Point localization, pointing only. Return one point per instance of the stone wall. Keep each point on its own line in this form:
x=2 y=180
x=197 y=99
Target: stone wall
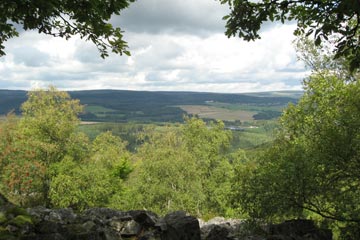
x=106 y=224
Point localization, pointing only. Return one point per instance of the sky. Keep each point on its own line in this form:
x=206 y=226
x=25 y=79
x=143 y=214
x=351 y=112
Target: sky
x=176 y=45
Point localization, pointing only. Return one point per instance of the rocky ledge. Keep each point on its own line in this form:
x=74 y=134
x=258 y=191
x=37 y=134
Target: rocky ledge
x=106 y=224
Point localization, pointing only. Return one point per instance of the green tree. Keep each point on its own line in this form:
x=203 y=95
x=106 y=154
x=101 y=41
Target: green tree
x=95 y=180
x=166 y=176
x=184 y=169
x=49 y=119
x=313 y=166
x=45 y=160
x=7 y=139
x=21 y=173
x=332 y=21
x=208 y=144
x=41 y=137
x=88 y=19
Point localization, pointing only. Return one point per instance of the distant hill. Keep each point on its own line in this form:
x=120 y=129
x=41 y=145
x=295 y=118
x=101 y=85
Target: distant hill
x=146 y=106
x=290 y=94
x=11 y=100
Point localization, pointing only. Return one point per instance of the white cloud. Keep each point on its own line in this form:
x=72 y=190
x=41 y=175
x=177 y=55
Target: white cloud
x=176 y=45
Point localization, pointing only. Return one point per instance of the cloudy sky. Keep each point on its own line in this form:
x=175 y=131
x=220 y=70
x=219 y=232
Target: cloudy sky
x=176 y=45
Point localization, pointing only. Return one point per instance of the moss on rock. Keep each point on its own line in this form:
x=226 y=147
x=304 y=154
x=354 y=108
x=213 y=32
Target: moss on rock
x=15 y=211
x=3 y=218
x=5 y=234
x=21 y=220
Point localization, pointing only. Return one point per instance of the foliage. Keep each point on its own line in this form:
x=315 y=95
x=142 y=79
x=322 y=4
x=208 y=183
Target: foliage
x=79 y=186
x=132 y=133
x=321 y=59
x=109 y=152
x=23 y=180
x=93 y=180
x=7 y=139
x=314 y=163
x=184 y=169
x=49 y=117
x=208 y=145
x=87 y=19
x=330 y=21
x=166 y=176
x=22 y=173
x=35 y=141
x=311 y=169
x=44 y=160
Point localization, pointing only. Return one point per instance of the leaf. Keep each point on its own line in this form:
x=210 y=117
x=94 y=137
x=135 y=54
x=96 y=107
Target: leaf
x=309 y=32
x=318 y=40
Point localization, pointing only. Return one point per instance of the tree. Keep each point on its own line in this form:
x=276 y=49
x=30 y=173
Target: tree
x=332 y=21
x=209 y=144
x=184 y=169
x=312 y=169
x=44 y=135
x=21 y=173
x=166 y=176
x=321 y=59
x=44 y=160
x=49 y=119
x=88 y=19
x=94 y=181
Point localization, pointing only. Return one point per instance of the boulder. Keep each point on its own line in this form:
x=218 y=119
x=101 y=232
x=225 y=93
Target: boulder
x=298 y=229
x=220 y=228
x=218 y=232
x=180 y=226
x=234 y=229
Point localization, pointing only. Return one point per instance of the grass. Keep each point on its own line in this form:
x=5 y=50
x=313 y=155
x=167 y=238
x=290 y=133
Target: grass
x=256 y=134
x=98 y=109
x=218 y=112
x=246 y=107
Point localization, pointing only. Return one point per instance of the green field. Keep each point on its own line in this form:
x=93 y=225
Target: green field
x=103 y=112
x=247 y=107
x=218 y=113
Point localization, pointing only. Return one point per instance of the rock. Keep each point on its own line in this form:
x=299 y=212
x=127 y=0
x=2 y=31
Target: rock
x=48 y=227
x=107 y=224
x=218 y=232
x=63 y=216
x=220 y=228
x=145 y=218
x=104 y=214
x=298 y=229
x=233 y=229
x=126 y=228
x=181 y=227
